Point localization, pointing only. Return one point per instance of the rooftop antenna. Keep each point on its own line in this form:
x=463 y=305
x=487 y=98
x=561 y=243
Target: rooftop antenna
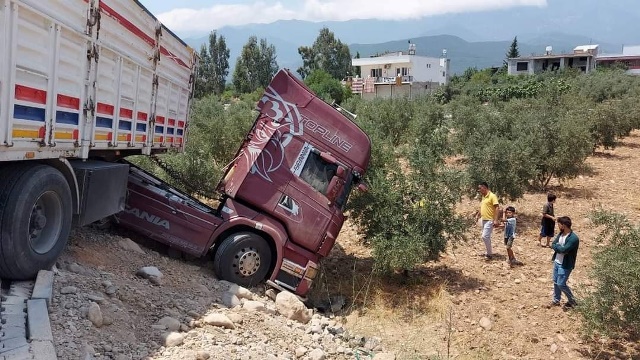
x=412 y=48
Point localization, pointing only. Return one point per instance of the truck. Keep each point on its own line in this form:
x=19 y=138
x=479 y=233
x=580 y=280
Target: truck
x=84 y=84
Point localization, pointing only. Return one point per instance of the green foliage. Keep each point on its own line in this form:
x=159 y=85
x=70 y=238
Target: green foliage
x=520 y=143
x=327 y=87
x=212 y=140
x=327 y=53
x=513 y=51
x=213 y=68
x=255 y=67
x=408 y=214
x=613 y=307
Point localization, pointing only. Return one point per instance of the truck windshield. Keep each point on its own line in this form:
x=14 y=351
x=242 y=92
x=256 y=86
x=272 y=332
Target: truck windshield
x=318 y=173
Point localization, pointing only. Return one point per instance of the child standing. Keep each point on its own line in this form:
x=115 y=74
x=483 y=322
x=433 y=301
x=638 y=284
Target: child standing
x=509 y=221
x=548 y=222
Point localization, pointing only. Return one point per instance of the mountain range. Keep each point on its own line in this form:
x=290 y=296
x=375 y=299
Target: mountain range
x=478 y=39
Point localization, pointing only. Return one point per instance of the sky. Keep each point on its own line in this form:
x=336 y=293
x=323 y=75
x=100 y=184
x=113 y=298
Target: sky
x=202 y=16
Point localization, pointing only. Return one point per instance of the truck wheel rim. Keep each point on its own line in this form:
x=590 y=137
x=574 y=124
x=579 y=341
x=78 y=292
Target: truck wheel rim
x=45 y=223
x=247 y=261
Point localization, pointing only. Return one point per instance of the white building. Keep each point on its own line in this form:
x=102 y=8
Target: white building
x=630 y=58
x=582 y=58
x=401 y=74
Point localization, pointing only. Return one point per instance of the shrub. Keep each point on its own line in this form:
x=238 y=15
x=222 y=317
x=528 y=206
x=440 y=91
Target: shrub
x=613 y=307
x=407 y=216
x=213 y=138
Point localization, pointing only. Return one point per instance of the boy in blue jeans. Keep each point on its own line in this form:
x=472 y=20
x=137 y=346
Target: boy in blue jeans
x=509 y=223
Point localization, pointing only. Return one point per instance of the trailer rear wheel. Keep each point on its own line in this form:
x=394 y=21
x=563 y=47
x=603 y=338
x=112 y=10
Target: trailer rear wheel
x=35 y=219
x=243 y=258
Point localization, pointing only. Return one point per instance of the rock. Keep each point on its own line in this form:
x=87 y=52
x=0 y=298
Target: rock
x=292 y=308
x=110 y=290
x=170 y=323
x=315 y=329
x=69 y=290
x=172 y=339
x=75 y=268
x=554 y=348
x=372 y=343
x=240 y=292
x=217 y=319
x=300 y=351
x=202 y=355
x=193 y=314
x=331 y=304
x=94 y=315
x=316 y=354
x=271 y=294
x=106 y=320
x=130 y=245
x=384 y=356
x=149 y=271
x=96 y=298
x=251 y=305
x=486 y=324
x=235 y=318
x=87 y=352
x=230 y=300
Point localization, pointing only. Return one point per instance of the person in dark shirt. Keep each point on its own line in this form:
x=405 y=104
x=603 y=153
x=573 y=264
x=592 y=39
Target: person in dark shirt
x=548 y=222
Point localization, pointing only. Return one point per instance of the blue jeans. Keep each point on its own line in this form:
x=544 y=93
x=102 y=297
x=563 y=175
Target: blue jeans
x=560 y=277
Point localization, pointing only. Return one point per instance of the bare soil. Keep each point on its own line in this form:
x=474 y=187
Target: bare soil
x=435 y=311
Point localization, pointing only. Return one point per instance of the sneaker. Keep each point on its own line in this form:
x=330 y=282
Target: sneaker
x=515 y=262
x=552 y=304
x=570 y=304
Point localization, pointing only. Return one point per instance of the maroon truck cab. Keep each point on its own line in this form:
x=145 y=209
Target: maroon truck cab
x=282 y=198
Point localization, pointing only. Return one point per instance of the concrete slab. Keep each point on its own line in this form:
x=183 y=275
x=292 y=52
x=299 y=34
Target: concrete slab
x=13 y=320
x=18 y=355
x=43 y=350
x=14 y=309
x=38 y=322
x=10 y=300
x=13 y=344
x=43 y=288
x=12 y=333
x=21 y=288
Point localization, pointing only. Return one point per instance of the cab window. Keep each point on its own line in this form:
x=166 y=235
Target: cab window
x=318 y=173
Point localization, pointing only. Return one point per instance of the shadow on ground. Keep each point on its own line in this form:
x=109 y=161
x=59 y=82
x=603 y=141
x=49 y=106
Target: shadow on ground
x=353 y=279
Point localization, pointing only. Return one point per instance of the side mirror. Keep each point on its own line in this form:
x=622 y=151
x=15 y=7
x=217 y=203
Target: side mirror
x=363 y=187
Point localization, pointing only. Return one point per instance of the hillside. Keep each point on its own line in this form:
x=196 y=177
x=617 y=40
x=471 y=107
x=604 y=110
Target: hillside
x=463 y=54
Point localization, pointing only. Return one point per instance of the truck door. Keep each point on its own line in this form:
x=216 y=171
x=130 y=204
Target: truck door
x=306 y=202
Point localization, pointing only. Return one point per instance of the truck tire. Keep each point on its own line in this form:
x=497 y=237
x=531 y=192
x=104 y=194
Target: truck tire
x=35 y=219
x=243 y=258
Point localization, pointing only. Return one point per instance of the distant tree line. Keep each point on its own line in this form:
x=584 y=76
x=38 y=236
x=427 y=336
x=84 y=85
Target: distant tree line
x=324 y=64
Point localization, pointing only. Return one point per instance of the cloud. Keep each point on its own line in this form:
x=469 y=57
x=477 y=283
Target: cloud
x=264 y=12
